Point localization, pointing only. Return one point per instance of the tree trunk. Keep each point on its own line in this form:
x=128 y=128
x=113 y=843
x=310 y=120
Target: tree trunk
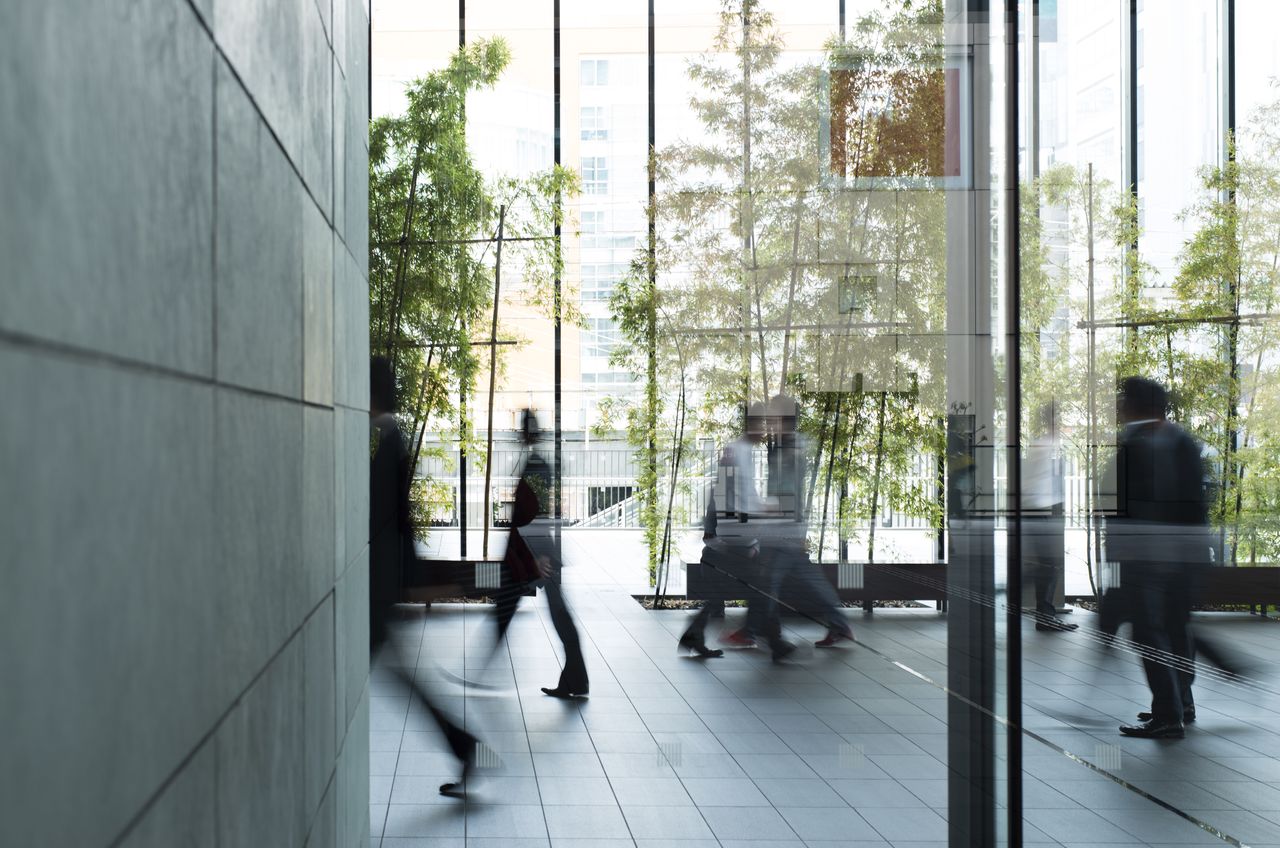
x=402 y=261
x=875 y=480
x=493 y=375
x=791 y=297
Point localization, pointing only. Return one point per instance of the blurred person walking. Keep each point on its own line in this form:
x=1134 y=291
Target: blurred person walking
x=534 y=551
x=1159 y=536
x=391 y=548
x=1043 y=518
x=790 y=455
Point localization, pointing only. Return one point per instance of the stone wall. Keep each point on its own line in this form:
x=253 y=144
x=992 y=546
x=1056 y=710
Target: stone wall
x=184 y=438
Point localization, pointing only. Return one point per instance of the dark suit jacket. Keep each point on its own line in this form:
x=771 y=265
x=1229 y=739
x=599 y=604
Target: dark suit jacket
x=390 y=525
x=1161 y=508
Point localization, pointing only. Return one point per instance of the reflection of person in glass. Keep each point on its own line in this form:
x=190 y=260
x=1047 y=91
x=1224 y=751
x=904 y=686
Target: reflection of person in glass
x=535 y=530
x=391 y=548
x=1043 y=528
x=790 y=456
x=1159 y=536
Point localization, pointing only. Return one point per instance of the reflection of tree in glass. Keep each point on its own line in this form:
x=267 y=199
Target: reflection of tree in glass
x=758 y=255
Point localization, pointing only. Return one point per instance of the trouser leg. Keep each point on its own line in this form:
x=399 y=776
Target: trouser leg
x=505 y=602
x=574 y=676
x=696 y=632
x=461 y=743
x=781 y=565
x=1152 y=630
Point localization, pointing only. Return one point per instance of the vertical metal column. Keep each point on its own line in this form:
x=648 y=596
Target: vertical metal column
x=972 y=741
x=1132 y=164
x=1013 y=417
x=1229 y=63
x=559 y=434
x=462 y=386
x=651 y=370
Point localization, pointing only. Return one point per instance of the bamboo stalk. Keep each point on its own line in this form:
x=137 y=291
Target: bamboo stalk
x=493 y=374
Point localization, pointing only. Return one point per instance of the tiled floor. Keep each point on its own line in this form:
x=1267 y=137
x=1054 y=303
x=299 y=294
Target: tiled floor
x=847 y=747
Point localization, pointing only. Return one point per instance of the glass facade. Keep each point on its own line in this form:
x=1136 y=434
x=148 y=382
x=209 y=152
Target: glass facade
x=920 y=246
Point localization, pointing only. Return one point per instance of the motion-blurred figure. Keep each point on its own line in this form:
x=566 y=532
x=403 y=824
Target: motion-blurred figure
x=391 y=547
x=729 y=549
x=1043 y=520
x=790 y=456
x=1159 y=536
x=536 y=537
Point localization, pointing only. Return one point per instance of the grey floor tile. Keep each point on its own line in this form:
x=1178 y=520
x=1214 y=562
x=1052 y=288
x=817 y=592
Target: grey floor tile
x=504 y=790
x=578 y=742
x=753 y=743
x=421 y=789
x=799 y=792
x=1159 y=825
x=1246 y=826
x=567 y=765
x=884 y=793
x=586 y=822
x=910 y=767
x=424 y=820
x=724 y=792
x=561 y=791
x=707 y=766
x=774 y=765
x=650 y=792
x=829 y=824
x=664 y=822
x=505 y=821
x=657 y=764
x=919 y=825
x=747 y=823
x=1077 y=825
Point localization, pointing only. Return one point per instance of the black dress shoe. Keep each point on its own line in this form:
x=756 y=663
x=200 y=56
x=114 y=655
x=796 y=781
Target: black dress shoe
x=563 y=693
x=459 y=789
x=782 y=651
x=1050 y=624
x=699 y=648
x=1154 y=730
x=1188 y=716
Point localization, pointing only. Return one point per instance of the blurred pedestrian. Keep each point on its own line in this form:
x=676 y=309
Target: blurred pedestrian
x=1159 y=535
x=391 y=550
x=1043 y=517
x=536 y=535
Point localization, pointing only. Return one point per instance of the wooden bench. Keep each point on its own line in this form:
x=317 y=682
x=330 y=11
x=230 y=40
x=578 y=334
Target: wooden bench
x=1245 y=586
x=854 y=582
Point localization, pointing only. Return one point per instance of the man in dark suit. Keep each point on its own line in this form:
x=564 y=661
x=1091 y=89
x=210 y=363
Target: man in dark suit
x=391 y=545
x=1159 y=535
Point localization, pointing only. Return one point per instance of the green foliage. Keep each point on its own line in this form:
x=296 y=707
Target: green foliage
x=747 y=222
x=432 y=232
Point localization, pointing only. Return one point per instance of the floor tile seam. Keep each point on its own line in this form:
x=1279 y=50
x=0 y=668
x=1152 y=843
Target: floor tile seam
x=585 y=631
x=1204 y=825
x=412 y=673
x=650 y=731
x=854 y=701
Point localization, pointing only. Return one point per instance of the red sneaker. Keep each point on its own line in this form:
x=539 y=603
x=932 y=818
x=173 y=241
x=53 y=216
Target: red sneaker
x=738 y=639
x=833 y=638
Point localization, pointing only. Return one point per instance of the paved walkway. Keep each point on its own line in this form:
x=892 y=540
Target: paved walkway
x=846 y=748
